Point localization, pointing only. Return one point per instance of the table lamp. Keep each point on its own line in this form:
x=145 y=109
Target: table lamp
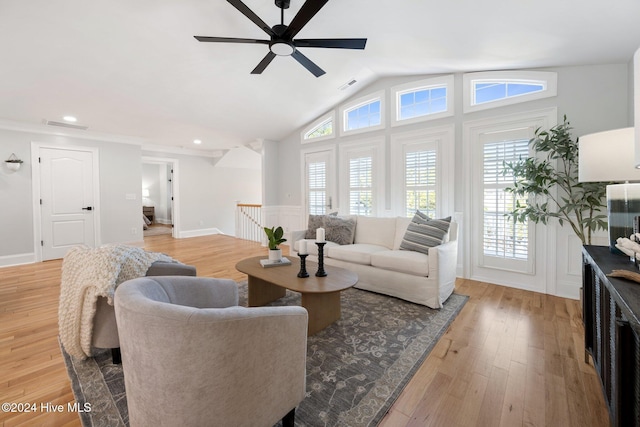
x=610 y=157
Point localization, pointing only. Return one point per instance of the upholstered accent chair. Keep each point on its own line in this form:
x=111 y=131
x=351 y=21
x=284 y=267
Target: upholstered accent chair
x=191 y=356
x=105 y=329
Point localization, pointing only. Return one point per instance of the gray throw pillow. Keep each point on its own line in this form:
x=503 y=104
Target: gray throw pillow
x=315 y=222
x=424 y=233
x=340 y=230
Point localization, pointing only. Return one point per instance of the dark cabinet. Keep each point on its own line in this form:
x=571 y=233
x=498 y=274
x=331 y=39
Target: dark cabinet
x=610 y=310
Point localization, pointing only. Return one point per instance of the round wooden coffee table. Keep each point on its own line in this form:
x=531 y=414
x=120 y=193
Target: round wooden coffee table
x=320 y=295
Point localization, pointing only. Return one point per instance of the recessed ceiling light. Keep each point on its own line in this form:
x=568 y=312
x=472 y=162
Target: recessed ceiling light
x=197 y=141
x=70 y=119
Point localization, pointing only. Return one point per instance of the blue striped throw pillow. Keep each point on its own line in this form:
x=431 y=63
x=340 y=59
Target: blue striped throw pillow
x=424 y=233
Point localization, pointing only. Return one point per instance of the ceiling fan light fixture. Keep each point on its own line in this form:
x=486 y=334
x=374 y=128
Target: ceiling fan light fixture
x=282 y=48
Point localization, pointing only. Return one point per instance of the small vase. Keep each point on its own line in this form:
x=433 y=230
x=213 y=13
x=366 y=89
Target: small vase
x=275 y=254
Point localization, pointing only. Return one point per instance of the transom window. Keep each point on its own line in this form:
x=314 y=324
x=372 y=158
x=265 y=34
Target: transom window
x=322 y=128
x=493 y=89
x=489 y=91
x=421 y=102
x=363 y=116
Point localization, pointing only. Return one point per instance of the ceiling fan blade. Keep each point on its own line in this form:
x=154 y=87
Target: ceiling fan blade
x=332 y=43
x=229 y=40
x=263 y=64
x=307 y=63
x=304 y=15
x=252 y=16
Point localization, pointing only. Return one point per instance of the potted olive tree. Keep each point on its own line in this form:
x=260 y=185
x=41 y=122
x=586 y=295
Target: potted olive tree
x=553 y=166
x=274 y=235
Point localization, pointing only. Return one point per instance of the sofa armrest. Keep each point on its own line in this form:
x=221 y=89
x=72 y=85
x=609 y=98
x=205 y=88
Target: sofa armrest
x=443 y=261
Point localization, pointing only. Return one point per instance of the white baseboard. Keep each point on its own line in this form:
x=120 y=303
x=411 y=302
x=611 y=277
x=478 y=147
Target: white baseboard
x=198 y=233
x=17 y=259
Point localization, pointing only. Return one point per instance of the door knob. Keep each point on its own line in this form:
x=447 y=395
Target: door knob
x=88 y=208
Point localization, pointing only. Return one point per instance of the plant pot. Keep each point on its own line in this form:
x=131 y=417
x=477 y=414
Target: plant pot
x=275 y=254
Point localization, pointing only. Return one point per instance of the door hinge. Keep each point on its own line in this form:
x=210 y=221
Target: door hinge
x=39 y=160
x=41 y=242
x=40 y=201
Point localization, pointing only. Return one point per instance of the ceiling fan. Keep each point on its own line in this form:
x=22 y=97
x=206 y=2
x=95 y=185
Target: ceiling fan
x=281 y=42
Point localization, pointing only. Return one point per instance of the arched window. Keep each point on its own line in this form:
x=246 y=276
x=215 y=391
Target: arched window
x=498 y=88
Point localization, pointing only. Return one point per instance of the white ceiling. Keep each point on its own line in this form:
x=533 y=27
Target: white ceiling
x=132 y=67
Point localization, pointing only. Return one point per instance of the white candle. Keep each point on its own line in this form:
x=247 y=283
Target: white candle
x=302 y=247
x=320 y=235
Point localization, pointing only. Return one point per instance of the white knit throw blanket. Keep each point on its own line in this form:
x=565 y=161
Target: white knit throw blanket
x=88 y=273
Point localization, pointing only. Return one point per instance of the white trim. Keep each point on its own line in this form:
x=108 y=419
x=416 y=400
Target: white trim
x=550 y=79
x=184 y=151
x=175 y=189
x=364 y=100
x=331 y=117
x=35 y=192
x=397 y=91
x=375 y=144
x=17 y=259
x=443 y=137
x=200 y=232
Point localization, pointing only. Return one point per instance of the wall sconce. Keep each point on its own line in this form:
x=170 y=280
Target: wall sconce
x=145 y=192
x=13 y=162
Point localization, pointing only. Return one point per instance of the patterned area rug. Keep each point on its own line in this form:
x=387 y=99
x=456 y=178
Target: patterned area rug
x=356 y=368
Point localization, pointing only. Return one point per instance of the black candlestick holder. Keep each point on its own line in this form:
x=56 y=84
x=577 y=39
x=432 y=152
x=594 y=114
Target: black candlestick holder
x=321 y=272
x=303 y=265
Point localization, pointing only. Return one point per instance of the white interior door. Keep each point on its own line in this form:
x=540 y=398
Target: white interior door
x=66 y=200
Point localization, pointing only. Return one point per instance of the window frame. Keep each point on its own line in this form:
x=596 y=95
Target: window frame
x=357 y=103
x=399 y=90
x=548 y=78
x=317 y=123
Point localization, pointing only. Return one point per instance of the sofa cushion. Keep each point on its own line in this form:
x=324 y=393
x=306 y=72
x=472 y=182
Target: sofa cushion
x=402 y=223
x=424 y=233
x=315 y=222
x=359 y=253
x=376 y=231
x=409 y=262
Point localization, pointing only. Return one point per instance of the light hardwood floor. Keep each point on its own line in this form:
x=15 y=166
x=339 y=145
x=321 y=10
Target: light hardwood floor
x=510 y=358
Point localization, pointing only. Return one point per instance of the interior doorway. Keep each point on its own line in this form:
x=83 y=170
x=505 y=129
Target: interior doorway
x=159 y=196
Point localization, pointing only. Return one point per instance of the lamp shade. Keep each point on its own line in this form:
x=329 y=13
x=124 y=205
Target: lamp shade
x=608 y=156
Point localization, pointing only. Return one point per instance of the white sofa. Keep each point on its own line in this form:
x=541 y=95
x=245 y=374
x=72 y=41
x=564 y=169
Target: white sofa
x=382 y=267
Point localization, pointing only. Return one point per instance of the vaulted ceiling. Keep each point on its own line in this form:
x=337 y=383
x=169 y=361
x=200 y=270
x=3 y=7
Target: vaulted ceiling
x=134 y=68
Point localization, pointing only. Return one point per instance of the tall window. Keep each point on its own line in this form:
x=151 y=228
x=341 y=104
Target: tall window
x=317 y=191
x=420 y=182
x=360 y=185
x=503 y=237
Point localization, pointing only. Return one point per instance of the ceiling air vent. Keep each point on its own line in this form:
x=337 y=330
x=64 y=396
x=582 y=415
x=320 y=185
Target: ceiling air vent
x=64 y=125
x=348 y=84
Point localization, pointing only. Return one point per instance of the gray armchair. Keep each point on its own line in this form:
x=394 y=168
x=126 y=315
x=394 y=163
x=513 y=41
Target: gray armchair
x=191 y=356
x=105 y=330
